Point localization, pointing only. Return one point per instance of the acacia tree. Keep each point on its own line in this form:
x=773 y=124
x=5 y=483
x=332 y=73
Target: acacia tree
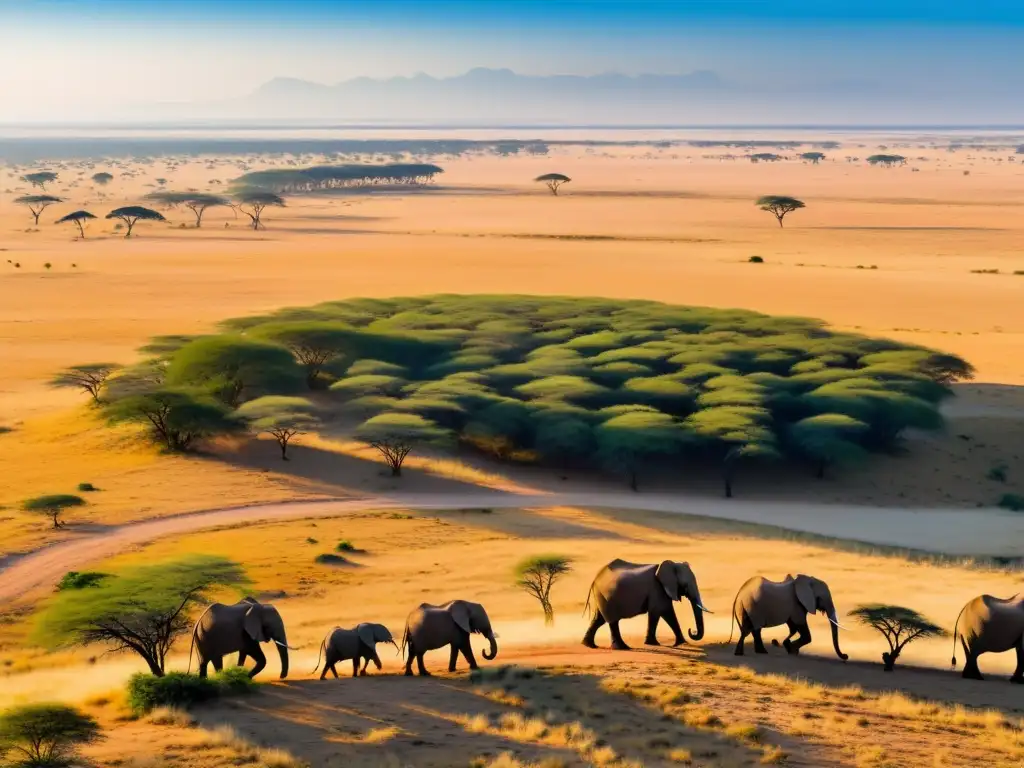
x=536 y=575
x=281 y=417
x=395 y=435
x=256 y=200
x=735 y=432
x=625 y=441
x=131 y=214
x=37 y=204
x=827 y=439
x=314 y=344
x=102 y=178
x=90 y=378
x=813 y=157
x=53 y=506
x=898 y=625
x=887 y=160
x=40 y=178
x=553 y=181
x=142 y=609
x=77 y=217
x=779 y=205
x=177 y=418
x=45 y=734
x=197 y=202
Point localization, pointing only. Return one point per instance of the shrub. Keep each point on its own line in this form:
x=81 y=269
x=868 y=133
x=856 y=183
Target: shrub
x=997 y=473
x=80 y=580
x=1012 y=501
x=329 y=559
x=756 y=260
x=87 y=487
x=346 y=546
x=45 y=734
x=181 y=690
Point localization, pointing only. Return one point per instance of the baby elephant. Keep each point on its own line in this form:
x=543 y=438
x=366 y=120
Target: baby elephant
x=355 y=644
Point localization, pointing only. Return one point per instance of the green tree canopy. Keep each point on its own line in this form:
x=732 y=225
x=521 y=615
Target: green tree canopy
x=102 y=178
x=887 y=160
x=177 y=418
x=52 y=505
x=234 y=368
x=553 y=181
x=252 y=203
x=813 y=157
x=395 y=435
x=78 y=218
x=132 y=214
x=829 y=438
x=37 y=204
x=40 y=178
x=45 y=734
x=626 y=440
x=281 y=417
x=536 y=575
x=143 y=609
x=90 y=378
x=734 y=432
x=898 y=625
x=779 y=205
x=197 y=202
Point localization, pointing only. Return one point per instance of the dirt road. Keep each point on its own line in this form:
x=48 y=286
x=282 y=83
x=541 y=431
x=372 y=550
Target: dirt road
x=957 y=532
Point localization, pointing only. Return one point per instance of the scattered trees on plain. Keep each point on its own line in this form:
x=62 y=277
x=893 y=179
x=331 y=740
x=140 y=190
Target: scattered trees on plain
x=779 y=205
x=289 y=181
x=253 y=202
x=37 y=204
x=537 y=575
x=78 y=218
x=197 y=202
x=898 y=625
x=132 y=214
x=553 y=181
x=887 y=161
x=90 y=378
x=142 y=609
x=40 y=178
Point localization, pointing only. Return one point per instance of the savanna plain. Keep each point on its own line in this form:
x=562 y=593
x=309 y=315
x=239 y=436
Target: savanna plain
x=925 y=254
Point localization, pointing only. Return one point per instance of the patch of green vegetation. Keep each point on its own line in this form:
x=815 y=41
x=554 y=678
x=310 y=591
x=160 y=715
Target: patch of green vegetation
x=1012 y=501
x=80 y=580
x=181 y=690
x=87 y=487
x=756 y=260
x=331 y=559
x=346 y=546
x=997 y=473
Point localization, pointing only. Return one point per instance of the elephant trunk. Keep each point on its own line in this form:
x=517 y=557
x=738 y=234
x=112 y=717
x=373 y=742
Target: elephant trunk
x=494 y=648
x=835 y=637
x=698 y=619
x=282 y=649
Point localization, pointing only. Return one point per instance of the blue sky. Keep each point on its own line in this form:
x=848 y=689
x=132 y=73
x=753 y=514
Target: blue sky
x=75 y=56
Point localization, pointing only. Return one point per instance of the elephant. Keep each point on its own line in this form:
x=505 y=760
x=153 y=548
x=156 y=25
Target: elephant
x=435 y=626
x=622 y=590
x=761 y=603
x=224 y=629
x=359 y=644
x=991 y=625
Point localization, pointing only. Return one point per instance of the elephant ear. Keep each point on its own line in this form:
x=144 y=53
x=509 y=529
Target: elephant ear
x=460 y=614
x=666 y=574
x=804 y=593
x=365 y=632
x=253 y=624
x=381 y=634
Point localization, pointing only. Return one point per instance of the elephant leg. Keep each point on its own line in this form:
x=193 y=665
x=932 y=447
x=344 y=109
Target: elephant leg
x=258 y=656
x=803 y=638
x=617 y=642
x=971 y=671
x=366 y=664
x=241 y=658
x=203 y=664
x=453 y=657
x=355 y=667
x=673 y=624
x=787 y=642
x=419 y=663
x=596 y=624
x=218 y=663
x=467 y=652
x=334 y=669
x=1018 y=674
x=408 y=662
x=652 y=628
x=758 y=642
x=744 y=631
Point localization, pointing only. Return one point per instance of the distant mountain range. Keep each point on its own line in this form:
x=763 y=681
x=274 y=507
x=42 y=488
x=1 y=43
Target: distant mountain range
x=501 y=96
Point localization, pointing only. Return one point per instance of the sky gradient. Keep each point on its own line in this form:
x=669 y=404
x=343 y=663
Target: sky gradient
x=76 y=59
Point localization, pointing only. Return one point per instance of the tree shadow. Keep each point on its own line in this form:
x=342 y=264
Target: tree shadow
x=445 y=721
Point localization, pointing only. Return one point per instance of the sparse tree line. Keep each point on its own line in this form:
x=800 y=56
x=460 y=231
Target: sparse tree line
x=326 y=177
x=583 y=383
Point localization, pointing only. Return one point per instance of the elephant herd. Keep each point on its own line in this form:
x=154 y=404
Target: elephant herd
x=621 y=590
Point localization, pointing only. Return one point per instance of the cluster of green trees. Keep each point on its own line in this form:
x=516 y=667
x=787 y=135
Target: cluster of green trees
x=324 y=177
x=578 y=382
x=887 y=160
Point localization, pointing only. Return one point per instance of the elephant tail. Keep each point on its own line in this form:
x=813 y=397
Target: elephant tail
x=320 y=655
x=955 y=630
x=586 y=607
x=195 y=629
x=732 y=621
x=405 y=640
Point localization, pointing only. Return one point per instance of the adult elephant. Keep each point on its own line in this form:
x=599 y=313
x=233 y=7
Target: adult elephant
x=359 y=644
x=226 y=629
x=990 y=625
x=762 y=603
x=622 y=590
x=434 y=626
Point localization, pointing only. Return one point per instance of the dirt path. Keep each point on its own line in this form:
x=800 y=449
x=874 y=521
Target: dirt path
x=957 y=532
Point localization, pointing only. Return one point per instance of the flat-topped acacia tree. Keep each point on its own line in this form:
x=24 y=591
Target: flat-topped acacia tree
x=252 y=202
x=37 y=204
x=553 y=181
x=813 y=157
x=197 y=202
x=102 y=178
x=132 y=214
x=779 y=205
x=40 y=178
x=77 y=217
x=887 y=161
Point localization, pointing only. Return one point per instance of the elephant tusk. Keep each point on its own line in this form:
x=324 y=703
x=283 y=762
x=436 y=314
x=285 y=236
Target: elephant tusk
x=285 y=645
x=703 y=608
x=836 y=623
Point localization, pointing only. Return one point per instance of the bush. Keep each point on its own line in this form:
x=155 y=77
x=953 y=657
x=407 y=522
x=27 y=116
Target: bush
x=45 y=734
x=80 y=580
x=346 y=546
x=1012 y=501
x=181 y=690
x=329 y=559
x=756 y=260
x=997 y=473
x=87 y=487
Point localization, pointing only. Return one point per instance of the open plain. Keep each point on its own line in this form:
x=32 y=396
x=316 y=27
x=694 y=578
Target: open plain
x=928 y=253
